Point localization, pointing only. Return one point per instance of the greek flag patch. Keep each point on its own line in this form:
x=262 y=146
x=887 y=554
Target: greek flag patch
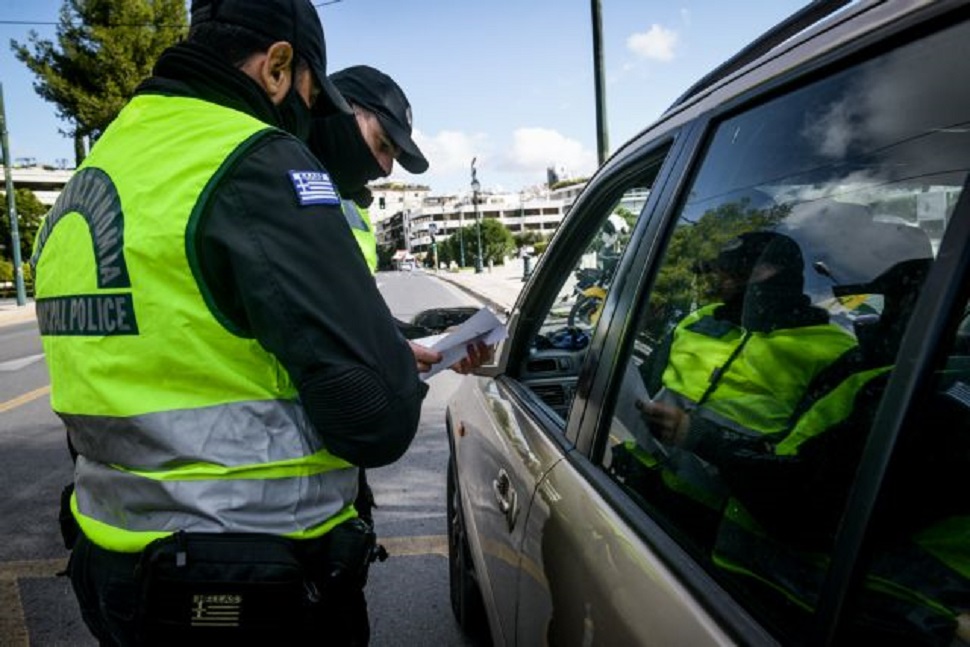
x=314 y=187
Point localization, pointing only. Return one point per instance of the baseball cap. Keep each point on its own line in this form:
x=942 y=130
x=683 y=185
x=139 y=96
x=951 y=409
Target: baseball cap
x=294 y=21
x=741 y=254
x=378 y=93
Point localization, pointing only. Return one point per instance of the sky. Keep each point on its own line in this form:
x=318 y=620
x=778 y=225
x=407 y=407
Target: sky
x=507 y=82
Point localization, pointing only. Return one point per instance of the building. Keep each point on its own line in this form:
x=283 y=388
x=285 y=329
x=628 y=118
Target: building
x=538 y=209
x=411 y=226
x=46 y=182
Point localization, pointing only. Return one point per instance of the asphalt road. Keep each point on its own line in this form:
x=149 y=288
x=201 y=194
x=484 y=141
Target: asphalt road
x=407 y=594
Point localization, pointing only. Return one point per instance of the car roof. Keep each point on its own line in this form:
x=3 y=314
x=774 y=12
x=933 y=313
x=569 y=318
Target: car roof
x=821 y=27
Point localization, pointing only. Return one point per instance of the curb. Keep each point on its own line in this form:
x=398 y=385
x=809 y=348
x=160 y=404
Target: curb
x=495 y=306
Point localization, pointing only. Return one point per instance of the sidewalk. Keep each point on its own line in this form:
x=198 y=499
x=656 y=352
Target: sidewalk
x=498 y=288
x=11 y=313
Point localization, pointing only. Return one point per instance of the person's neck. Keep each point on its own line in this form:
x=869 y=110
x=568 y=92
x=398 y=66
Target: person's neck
x=197 y=71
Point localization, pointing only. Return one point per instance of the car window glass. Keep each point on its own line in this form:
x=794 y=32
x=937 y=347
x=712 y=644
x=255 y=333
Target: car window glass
x=557 y=350
x=916 y=580
x=760 y=354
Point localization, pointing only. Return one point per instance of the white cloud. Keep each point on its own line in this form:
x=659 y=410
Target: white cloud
x=449 y=150
x=657 y=43
x=535 y=149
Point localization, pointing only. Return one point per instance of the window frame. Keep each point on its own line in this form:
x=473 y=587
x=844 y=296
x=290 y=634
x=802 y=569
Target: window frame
x=568 y=244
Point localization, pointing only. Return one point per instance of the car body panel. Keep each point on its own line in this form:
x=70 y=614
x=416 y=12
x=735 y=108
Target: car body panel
x=586 y=579
x=500 y=454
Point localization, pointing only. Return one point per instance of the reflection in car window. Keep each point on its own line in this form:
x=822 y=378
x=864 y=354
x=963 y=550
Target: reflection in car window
x=763 y=348
x=917 y=579
x=559 y=347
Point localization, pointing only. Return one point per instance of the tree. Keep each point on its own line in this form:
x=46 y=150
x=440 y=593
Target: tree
x=104 y=49
x=497 y=242
x=30 y=211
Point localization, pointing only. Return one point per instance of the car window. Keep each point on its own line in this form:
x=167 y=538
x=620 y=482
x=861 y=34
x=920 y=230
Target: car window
x=760 y=353
x=916 y=578
x=582 y=275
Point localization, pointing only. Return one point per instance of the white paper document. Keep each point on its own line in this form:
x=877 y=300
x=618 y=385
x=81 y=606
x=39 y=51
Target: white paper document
x=482 y=326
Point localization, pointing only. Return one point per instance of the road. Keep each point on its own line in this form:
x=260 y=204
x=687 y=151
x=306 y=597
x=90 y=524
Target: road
x=407 y=594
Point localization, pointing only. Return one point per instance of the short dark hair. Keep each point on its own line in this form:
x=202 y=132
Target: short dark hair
x=232 y=43
x=235 y=44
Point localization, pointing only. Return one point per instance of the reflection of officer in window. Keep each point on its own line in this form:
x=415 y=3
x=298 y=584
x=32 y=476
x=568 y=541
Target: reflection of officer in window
x=745 y=362
x=737 y=367
x=788 y=495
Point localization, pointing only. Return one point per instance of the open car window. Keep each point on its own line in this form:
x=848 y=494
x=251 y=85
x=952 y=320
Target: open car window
x=583 y=277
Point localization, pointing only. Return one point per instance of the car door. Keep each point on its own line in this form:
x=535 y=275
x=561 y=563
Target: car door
x=513 y=427
x=764 y=495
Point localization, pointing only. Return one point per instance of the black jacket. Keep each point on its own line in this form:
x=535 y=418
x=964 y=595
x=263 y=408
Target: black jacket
x=293 y=277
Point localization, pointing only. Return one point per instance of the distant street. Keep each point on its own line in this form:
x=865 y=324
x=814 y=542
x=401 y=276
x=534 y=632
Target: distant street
x=407 y=594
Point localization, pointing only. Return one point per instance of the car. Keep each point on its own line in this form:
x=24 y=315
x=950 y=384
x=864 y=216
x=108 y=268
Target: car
x=605 y=486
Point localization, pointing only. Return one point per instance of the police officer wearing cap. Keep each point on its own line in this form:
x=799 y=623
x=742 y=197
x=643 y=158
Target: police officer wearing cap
x=219 y=394
x=363 y=146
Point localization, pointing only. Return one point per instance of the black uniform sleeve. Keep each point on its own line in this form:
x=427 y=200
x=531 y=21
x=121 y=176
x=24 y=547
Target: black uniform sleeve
x=292 y=277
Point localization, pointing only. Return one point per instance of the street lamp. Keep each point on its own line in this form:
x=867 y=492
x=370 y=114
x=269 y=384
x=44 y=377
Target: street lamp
x=461 y=233
x=476 y=186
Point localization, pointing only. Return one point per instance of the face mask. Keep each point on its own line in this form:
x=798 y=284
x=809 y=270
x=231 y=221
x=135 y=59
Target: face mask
x=295 y=117
x=338 y=143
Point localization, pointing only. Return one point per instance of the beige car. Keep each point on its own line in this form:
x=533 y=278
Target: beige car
x=744 y=418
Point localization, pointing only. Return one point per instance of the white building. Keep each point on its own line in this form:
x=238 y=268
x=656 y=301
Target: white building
x=539 y=210
x=46 y=182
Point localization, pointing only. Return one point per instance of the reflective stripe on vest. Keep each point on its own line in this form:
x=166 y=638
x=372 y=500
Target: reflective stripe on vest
x=171 y=408
x=359 y=221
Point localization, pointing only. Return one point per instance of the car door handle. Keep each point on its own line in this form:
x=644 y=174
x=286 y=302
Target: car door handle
x=506 y=497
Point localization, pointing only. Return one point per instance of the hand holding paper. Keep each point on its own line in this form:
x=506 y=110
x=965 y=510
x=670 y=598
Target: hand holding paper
x=482 y=327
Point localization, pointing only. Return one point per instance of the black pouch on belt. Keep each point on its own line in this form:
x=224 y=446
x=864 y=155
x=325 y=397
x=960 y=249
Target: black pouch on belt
x=231 y=588
x=65 y=518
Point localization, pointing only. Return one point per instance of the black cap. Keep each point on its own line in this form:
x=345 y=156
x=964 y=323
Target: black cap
x=377 y=92
x=295 y=21
x=743 y=253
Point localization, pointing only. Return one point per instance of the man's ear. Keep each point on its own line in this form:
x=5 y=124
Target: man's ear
x=273 y=70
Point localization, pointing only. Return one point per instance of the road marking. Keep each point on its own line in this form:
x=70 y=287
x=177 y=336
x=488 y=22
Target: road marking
x=413 y=546
x=24 y=399
x=17 y=364
x=13 y=623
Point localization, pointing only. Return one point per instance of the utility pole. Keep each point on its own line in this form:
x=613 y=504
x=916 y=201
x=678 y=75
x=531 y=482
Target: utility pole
x=476 y=187
x=18 y=271
x=602 y=141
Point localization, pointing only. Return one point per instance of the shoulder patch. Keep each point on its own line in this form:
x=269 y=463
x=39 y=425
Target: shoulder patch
x=314 y=187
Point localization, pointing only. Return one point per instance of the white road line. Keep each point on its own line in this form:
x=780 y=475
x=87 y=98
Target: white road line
x=17 y=364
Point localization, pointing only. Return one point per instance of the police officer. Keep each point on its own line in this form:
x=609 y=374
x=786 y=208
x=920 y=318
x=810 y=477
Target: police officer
x=213 y=385
x=362 y=146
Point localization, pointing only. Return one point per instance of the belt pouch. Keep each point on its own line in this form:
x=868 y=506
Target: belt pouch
x=210 y=587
